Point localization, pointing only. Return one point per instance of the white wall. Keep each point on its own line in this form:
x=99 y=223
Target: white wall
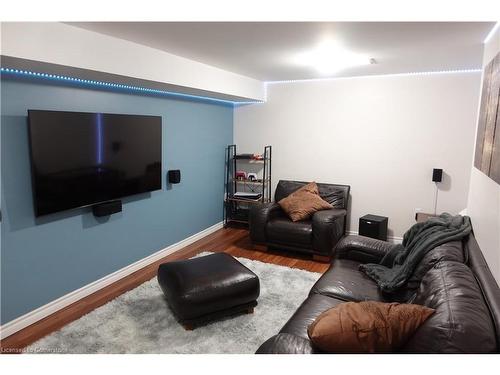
x=381 y=135
x=484 y=196
x=58 y=43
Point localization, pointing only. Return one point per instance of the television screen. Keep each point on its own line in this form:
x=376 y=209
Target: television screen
x=80 y=159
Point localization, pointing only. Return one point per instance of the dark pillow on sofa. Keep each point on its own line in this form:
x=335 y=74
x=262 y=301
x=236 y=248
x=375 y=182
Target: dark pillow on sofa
x=366 y=327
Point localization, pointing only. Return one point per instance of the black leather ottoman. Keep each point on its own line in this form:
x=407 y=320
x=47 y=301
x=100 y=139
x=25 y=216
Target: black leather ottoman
x=203 y=289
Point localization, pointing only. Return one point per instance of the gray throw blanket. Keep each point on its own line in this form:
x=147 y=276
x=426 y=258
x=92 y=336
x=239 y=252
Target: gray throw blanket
x=398 y=264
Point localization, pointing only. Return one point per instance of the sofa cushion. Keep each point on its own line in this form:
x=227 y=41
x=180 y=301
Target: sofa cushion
x=367 y=327
x=332 y=195
x=310 y=309
x=461 y=322
x=450 y=251
x=345 y=282
x=283 y=230
x=301 y=204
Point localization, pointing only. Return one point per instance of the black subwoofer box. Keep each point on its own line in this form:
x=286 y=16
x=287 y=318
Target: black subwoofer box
x=373 y=226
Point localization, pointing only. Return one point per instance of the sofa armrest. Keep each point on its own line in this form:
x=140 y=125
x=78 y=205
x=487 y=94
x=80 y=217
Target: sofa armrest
x=362 y=249
x=259 y=215
x=285 y=343
x=327 y=229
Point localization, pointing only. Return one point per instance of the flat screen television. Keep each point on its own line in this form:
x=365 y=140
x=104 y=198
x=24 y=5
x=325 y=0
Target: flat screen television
x=80 y=159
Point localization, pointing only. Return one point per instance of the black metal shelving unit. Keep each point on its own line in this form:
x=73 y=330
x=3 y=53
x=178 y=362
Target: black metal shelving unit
x=236 y=209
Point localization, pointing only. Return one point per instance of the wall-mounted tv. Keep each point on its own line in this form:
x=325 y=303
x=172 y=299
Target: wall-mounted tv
x=80 y=159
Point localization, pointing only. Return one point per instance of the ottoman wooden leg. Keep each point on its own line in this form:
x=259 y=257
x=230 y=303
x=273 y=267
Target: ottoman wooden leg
x=188 y=327
x=321 y=258
x=250 y=310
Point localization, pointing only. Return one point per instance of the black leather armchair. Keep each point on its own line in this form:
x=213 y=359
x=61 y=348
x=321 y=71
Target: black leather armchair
x=269 y=224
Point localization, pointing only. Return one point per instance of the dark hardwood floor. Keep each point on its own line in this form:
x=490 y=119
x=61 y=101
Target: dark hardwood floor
x=234 y=241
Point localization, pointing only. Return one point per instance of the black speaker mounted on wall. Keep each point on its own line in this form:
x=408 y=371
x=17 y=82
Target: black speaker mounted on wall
x=437 y=175
x=174 y=176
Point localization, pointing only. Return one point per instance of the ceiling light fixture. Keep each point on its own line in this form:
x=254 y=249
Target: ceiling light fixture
x=329 y=57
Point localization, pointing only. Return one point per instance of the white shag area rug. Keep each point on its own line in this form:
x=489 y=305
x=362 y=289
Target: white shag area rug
x=140 y=320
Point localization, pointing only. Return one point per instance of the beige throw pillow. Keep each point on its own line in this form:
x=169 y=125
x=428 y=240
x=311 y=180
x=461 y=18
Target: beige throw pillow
x=302 y=203
x=367 y=327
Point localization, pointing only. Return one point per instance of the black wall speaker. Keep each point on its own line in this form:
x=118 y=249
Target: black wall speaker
x=107 y=208
x=174 y=176
x=437 y=175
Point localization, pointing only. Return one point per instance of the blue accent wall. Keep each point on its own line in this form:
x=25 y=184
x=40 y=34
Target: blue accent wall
x=45 y=258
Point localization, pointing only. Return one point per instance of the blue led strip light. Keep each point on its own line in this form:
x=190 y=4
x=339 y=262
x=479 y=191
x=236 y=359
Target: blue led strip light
x=374 y=76
x=101 y=84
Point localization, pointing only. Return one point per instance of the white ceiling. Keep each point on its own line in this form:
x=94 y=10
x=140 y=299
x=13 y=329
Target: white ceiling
x=264 y=50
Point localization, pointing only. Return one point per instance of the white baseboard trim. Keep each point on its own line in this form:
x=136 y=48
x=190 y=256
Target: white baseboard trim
x=391 y=239
x=27 y=319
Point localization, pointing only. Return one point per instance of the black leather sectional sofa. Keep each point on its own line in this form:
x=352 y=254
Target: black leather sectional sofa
x=455 y=281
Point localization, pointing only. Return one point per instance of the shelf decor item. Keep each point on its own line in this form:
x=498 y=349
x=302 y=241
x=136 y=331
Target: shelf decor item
x=245 y=195
x=241 y=175
x=247 y=182
x=244 y=156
